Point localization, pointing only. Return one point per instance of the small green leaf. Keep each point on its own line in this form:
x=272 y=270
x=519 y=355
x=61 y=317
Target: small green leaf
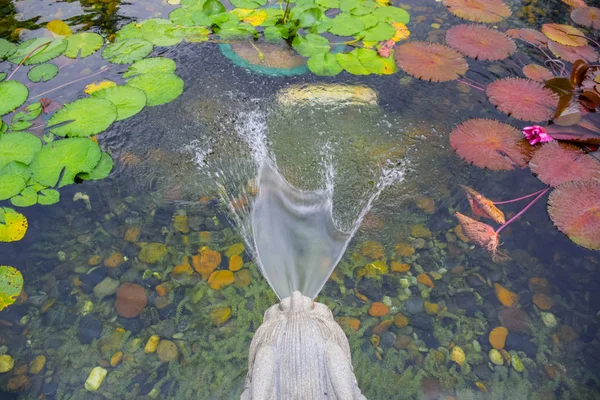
x=182 y=16
x=12 y=95
x=128 y=100
x=351 y=63
x=346 y=25
x=127 y=51
x=251 y=4
x=53 y=49
x=213 y=7
x=2 y=76
x=273 y=34
x=324 y=64
x=328 y=3
x=380 y=32
x=6 y=49
x=26 y=198
x=375 y=63
x=310 y=44
x=48 y=196
x=18 y=146
x=19 y=126
x=369 y=21
x=42 y=72
x=152 y=64
x=392 y=14
x=88 y=116
x=310 y=17
x=364 y=8
x=11 y=184
x=68 y=157
x=11 y=285
x=101 y=171
x=237 y=32
x=348 y=5
x=160 y=88
x=83 y=44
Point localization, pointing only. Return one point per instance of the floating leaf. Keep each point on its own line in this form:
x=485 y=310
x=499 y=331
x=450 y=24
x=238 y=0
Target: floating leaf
x=482 y=206
x=351 y=63
x=324 y=64
x=42 y=72
x=391 y=14
x=152 y=64
x=11 y=285
x=489 y=11
x=402 y=31
x=248 y=3
x=240 y=31
x=88 y=116
x=48 y=196
x=572 y=54
x=158 y=31
x=2 y=76
x=586 y=131
x=94 y=87
x=564 y=34
x=255 y=18
x=68 y=157
x=430 y=61
x=26 y=198
x=10 y=185
x=374 y=63
x=127 y=51
x=59 y=28
x=12 y=95
x=83 y=44
x=128 y=100
x=537 y=73
x=53 y=49
x=522 y=98
x=101 y=171
x=558 y=162
x=574 y=207
x=160 y=88
x=309 y=17
x=345 y=24
x=587 y=16
x=487 y=143
x=6 y=48
x=480 y=42
x=310 y=44
x=18 y=146
x=482 y=234
x=381 y=31
x=13 y=225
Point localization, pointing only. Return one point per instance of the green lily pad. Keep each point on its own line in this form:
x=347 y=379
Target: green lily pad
x=158 y=31
x=3 y=76
x=182 y=16
x=160 y=88
x=351 y=63
x=101 y=170
x=128 y=100
x=310 y=17
x=42 y=72
x=328 y=3
x=392 y=14
x=89 y=116
x=16 y=168
x=375 y=63
x=26 y=198
x=237 y=32
x=381 y=31
x=310 y=44
x=18 y=146
x=19 y=126
x=69 y=157
x=83 y=44
x=368 y=20
x=11 y=185
x=345 y=24
x=324 y=64
x=48 y=196
x=11 y=285
x=12 y=95
x=127 y=51
x=44 y=53
x=152 y=64
x=6 y=49
x=248 y=3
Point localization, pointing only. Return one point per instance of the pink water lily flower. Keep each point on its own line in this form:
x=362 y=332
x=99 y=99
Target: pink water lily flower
x=536 y=134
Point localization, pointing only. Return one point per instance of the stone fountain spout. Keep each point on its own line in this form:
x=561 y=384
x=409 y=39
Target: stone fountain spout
x=300 y=352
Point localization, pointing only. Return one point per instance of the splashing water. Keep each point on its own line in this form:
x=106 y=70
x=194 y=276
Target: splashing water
x=291 y=233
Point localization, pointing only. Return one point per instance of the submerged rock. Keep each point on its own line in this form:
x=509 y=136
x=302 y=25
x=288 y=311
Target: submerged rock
x=89 y=329
x=107 y=287
x=414 y=305
x=95 y=378
x=422 y=322
x=131 y=300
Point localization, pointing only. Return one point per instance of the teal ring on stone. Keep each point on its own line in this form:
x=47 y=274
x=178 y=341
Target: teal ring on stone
x=228 y=52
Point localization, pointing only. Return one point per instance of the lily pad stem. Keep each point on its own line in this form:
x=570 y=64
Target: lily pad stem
x=473 y=85
x=520 y=198
x=27 y=56
x=539 y=196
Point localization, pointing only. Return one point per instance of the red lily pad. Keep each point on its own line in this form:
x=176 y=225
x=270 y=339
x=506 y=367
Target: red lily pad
x=555 y=163
x=572 y=54
x=488 y=11
x=587 y=16
x=523 y=99
x=537 y=73
x=430 y=61
x=480 y=42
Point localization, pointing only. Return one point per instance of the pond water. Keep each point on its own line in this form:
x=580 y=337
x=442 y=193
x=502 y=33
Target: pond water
x=422 y=306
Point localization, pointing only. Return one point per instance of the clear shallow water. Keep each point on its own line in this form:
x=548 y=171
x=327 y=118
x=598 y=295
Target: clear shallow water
x=163 y=155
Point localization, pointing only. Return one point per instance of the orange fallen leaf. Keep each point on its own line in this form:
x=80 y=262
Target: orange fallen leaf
x=482 y=234
x=482 y=206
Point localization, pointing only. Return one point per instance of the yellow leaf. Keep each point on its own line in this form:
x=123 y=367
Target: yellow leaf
x=59 y=28
x=11 y=285
x=256 y=18
x=94 y=87
x=383 y=3
x=369 y=45
x=13 y=225
x=402 y=31
x=241 y=12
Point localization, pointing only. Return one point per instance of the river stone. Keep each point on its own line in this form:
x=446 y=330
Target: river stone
x=467 y=301
x=387 y=339
x=414 y=305
x=167 y=351
x=423 y=322
x=520 y=342
x=107 y=287
x=89 y=329
x=165 y=328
